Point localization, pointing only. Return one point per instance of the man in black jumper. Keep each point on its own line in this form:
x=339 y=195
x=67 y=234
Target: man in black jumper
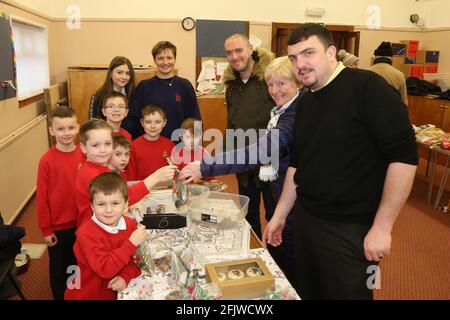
x=351 y=171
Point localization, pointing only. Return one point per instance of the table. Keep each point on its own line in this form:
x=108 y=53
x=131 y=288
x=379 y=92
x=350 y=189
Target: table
x=213 y=245
x=435 y=150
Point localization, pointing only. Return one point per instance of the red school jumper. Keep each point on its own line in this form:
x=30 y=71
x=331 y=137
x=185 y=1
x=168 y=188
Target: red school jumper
x=125 y=133
x=86 y=174
x=101 y=256
x=148 y=156
x=55 y=190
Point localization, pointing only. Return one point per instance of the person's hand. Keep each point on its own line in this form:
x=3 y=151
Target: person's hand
x=117 y=284
x=51 y=240
x=377 y=244
x=160 y=176
x=191 y=172
x=139 y=236
x=165 y=173
x=273 y=233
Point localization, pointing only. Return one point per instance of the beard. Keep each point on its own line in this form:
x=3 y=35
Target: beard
x=243 y=66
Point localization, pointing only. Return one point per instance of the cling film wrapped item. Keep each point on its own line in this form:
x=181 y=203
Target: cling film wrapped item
x=179 y=272
x=144 y=259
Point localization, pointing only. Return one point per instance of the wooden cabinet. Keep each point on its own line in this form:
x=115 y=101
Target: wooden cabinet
x=213 y=110
x=424 y=110
x=84 y=81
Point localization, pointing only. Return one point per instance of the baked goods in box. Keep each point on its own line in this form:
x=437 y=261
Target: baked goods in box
x=241 y=279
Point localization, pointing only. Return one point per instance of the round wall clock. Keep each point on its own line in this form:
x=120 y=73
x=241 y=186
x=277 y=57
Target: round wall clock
x=188 y=23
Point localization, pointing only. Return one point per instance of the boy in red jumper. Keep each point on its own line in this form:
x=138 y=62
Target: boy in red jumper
x=190 y=149
x=115 y=109
x=106 y=243
x=149 y=150
x=96 y=141
x=120 y=156
x=55 y=195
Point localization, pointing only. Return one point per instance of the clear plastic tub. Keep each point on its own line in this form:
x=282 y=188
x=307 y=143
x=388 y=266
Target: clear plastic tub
x=219 y=210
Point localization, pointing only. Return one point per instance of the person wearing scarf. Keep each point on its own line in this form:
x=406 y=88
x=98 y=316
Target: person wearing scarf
x=276 y=144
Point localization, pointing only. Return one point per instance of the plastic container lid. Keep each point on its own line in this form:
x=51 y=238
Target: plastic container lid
x=219 y=210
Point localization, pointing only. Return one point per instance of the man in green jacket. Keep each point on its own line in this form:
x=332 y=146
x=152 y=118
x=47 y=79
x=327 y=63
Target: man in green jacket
x=249 y=105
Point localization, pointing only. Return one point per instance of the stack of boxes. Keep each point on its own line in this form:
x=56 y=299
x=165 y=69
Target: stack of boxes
x=412 y=61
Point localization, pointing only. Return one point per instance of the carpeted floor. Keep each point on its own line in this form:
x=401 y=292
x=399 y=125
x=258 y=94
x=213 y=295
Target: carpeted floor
x=418 y=267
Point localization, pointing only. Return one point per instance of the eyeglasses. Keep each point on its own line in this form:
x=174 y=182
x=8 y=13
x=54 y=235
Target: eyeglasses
x=113 y=106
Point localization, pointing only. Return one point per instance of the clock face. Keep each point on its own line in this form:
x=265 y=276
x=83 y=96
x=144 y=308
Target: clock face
x=188 y=23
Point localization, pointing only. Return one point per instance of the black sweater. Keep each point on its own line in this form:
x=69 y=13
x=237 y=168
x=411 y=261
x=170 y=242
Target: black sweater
x=346 y=135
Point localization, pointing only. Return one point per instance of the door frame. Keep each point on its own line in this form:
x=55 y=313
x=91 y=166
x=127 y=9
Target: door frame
x=276 y=26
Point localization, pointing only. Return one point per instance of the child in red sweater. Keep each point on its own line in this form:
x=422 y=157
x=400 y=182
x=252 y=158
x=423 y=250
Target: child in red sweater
x=55 y=195
x=115 y=109
x=106 y=243
x=96 y=141
x=149 y=150
x=190 y=149
x=120 y=156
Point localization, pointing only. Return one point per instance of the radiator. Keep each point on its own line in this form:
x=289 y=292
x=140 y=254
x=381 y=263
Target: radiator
x=19 y=158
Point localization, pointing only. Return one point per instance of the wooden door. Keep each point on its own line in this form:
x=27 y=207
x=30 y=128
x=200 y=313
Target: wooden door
x=344 y=37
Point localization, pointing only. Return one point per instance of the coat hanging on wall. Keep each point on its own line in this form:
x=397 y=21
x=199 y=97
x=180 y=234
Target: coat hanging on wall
x=7 y=59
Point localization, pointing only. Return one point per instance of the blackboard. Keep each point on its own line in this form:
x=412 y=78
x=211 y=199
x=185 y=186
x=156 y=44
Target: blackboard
x=6 y=58
x=211 y=35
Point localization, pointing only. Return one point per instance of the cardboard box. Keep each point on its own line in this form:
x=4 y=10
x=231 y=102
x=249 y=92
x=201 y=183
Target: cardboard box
x=432 y=57
x=413 y=70
x=420 y=56
x=398 y=61
x=241 y=279
x=409 y=60
x=411 y=47
x=398 y=49
x=427 y=56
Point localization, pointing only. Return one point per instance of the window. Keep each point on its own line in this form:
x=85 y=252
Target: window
x=31 y=49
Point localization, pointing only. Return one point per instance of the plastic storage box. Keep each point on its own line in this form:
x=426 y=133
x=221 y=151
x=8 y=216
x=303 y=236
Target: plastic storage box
x=219 y=210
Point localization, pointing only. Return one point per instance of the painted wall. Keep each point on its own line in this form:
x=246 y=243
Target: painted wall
x=11 y=116
x=99 y=42
x=437 y=13
x=393 y=13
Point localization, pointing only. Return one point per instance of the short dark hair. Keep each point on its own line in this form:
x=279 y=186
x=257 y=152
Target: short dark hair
x=151 y=109
x=114 y=94
x=163 y=45
x=92 y=124
x=307 y=30
x=108 y=183
x=120 y=140
x=62 y=112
